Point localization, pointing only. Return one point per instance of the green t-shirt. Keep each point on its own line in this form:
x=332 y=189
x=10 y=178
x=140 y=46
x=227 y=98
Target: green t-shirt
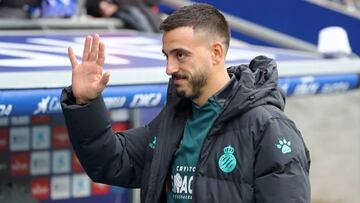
x=186 y=156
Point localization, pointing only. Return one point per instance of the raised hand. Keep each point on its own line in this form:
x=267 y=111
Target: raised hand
x=88 y=79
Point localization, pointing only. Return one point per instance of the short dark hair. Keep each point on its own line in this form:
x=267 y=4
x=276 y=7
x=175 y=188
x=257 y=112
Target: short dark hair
x=199 y=16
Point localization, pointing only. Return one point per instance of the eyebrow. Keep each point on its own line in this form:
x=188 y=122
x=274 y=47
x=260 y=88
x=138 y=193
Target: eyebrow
x=175 y=50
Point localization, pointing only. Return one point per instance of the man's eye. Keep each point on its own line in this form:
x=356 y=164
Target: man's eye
x=180 y=55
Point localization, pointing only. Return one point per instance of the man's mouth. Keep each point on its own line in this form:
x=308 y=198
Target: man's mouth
x=178 y=77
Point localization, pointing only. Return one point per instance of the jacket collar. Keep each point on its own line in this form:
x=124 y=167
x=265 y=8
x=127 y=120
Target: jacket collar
x=224 y=93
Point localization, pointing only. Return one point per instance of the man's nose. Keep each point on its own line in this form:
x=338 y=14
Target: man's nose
x=171 y=67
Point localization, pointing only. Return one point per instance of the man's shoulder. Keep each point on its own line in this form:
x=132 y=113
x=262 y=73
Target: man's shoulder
x=264 y=112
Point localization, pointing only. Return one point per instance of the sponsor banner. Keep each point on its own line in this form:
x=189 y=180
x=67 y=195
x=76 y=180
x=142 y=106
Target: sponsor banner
x=141 y=96
x=322 y=84
x=76 y=165
x=60 y=137
x=19 y=164
x=40 y=188
x=4 y=139
x=5 y=109
x=39 y=102
x=4 y=167
x=19 y=138
x=4 y=121
x=60 y=187
x=100 y=189
x=41 y=119
x=20 y=120
x=40 y=163
x=61 y=161
x=49 y=104
x=81 y=185
x=41 y=137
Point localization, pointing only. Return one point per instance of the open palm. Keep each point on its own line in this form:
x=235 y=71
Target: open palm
x=88 y=80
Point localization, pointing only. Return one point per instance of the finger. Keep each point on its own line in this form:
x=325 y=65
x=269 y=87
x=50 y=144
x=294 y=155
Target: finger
x=72 y=57
x=105 y=79
x=101 y=57
x=94 y=48
x=86 y=51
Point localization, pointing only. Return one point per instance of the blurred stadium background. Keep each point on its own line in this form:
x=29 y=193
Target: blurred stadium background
x=37 y=163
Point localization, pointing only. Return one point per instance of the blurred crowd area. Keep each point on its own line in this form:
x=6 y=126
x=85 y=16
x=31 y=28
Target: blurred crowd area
x=27 y=9
x=134 y=14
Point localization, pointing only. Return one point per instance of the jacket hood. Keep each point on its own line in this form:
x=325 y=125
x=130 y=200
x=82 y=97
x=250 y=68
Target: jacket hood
x=257 y=85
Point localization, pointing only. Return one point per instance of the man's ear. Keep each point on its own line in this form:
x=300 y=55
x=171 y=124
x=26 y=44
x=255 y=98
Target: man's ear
x=218 y=52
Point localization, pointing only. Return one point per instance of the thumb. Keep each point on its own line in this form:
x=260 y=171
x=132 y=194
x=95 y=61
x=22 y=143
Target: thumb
x=105 y=79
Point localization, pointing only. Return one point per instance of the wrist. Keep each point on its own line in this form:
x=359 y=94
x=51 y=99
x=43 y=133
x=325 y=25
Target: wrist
x=79 y=101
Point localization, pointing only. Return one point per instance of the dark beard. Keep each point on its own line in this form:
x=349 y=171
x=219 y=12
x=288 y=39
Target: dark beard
x=197 y=83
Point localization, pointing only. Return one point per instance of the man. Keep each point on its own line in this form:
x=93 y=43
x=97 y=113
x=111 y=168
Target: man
x=221 y=137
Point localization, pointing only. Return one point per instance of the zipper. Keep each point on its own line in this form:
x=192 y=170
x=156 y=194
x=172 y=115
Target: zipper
x=208 y=137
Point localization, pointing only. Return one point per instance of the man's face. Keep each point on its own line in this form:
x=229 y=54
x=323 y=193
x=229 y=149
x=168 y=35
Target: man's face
x=189 y=62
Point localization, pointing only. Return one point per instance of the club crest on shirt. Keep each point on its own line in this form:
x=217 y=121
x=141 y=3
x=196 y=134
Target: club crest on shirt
x=227 y=161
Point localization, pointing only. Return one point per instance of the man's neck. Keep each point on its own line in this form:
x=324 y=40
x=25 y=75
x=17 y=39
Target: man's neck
x=214 y=85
